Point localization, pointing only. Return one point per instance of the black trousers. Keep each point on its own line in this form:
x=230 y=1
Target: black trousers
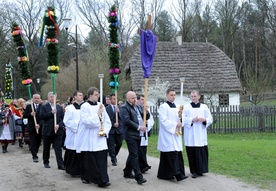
x=57 y=143
x=114 y=142
x=35 y=142
x=133 y=158
x=143 y=162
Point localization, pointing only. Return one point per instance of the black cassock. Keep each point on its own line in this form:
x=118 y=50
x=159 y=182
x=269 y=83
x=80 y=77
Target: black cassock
x=93 y=166
x=171 y=163
x=71 y=158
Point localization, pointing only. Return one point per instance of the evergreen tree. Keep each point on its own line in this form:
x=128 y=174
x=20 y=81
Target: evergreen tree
x=165 y=30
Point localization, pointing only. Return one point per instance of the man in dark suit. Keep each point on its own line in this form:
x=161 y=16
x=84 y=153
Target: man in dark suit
x=115 y=134
x=52 y=133
x=134 y=128
x=34 y=129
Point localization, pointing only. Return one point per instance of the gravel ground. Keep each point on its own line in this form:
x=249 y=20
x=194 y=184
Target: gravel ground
x=19 y=172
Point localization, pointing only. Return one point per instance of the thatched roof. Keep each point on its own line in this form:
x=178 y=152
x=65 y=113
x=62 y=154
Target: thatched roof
x=204 y=66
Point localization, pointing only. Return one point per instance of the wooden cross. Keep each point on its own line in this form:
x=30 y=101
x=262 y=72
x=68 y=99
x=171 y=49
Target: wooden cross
x=148 y=26
x=146 y=79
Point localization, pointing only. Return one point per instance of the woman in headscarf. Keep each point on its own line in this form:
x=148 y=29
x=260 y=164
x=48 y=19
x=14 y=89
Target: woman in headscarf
x=7 y=125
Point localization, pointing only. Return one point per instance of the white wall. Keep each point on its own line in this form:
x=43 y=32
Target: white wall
x=234 y=99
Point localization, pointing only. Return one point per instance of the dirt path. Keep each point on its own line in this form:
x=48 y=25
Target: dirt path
x=19 y=172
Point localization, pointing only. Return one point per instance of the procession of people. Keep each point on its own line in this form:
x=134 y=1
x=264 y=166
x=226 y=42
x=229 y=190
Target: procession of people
x=94 y=132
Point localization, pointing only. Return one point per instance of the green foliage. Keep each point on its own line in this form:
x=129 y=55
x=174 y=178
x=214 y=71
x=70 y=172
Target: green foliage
x=250 y=157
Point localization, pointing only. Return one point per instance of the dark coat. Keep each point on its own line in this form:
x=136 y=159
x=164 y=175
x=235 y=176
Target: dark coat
x=31 y=123
x=130 y=120
x=48 y=120
x=112 y=117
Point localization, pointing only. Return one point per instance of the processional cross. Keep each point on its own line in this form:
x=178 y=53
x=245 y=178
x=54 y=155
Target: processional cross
x=147 y=46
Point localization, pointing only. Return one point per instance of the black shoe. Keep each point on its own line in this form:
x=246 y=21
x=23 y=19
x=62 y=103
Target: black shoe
x=20 y=143
x=4 y=149
x=114 y=164
x=131 y=176
x=35 y=159
x=180 y=177
x=141 y=181
x=61 y=168
x=85 y=181
x=104 y=185
x=47 y=166
x=145 y=169
x=194 y=175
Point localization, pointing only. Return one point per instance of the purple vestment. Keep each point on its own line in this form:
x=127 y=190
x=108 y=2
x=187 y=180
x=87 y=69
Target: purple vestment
x=147 y=45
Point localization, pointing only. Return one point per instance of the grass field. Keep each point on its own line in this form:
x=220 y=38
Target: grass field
x=249 y=157
x=264 y=102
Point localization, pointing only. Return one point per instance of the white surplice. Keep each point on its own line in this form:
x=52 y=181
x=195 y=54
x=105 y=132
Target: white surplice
x=195 y=133
x=89 y=127
x=167 y=138
x=71 y=120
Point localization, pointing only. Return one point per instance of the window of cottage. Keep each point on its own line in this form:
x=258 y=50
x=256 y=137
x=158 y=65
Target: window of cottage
x=201 y=99
x=223 y=99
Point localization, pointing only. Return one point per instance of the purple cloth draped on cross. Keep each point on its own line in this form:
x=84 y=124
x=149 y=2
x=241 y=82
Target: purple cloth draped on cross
x=147 y=45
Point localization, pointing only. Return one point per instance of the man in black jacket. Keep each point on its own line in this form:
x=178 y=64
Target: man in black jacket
x=52 y=133
x=34 y=129
x=134 y=128
x=115 y=137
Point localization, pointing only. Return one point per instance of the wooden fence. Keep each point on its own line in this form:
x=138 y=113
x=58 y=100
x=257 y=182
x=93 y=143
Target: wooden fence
x=235 y=118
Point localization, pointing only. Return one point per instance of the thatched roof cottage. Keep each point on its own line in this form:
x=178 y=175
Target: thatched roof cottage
x=204 y=66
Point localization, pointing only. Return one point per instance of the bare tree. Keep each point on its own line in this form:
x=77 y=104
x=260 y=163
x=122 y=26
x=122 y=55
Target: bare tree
x=184 y=12
x=258 y=85
x=128 y=28
x=93 y=14
x=229 y=15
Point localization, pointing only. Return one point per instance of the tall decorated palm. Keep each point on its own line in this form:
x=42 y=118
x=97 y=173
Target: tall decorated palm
x=51 y=41
x=8 y=82
x=23 y=57
x=23 y=60
x=114 y=51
